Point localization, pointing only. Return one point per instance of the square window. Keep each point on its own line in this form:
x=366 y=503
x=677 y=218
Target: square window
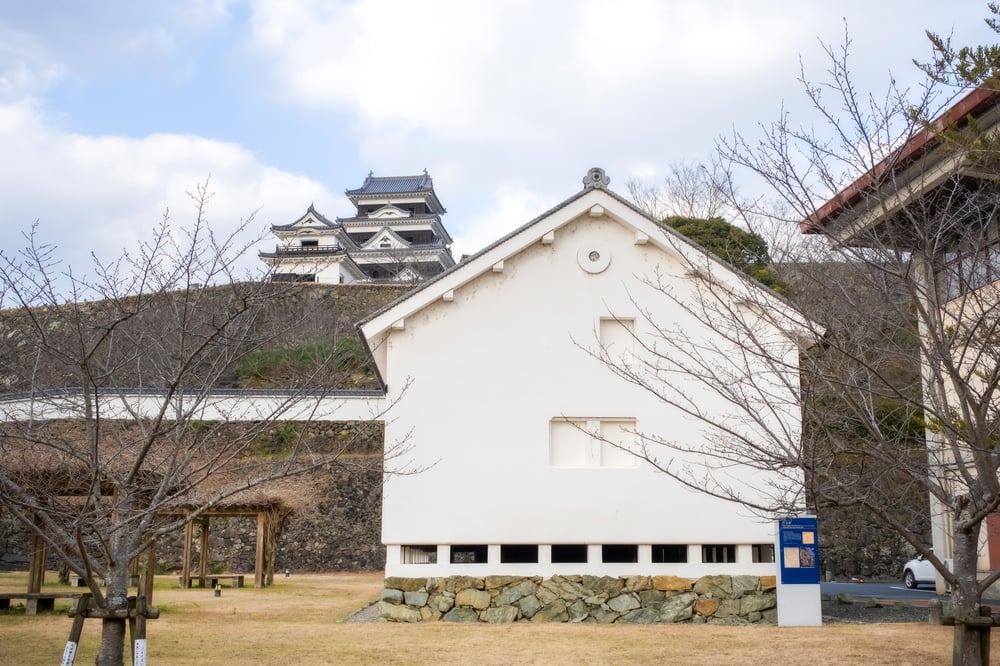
x=718 y=553
x=763 y=552
x=469 y=554
x=418 y=555
x=569 y=553
x=620 y=552
x=518 y=554
x=670 y=553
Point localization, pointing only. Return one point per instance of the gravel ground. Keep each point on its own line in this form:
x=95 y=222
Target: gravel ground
x=833 y=611
x=858 y=613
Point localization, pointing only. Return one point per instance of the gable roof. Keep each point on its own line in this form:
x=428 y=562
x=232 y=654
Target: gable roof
x=593 y=200
x=311 y=212
x=972 y=106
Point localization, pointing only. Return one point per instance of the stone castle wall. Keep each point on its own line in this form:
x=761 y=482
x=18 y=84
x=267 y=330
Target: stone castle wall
x=600 y=599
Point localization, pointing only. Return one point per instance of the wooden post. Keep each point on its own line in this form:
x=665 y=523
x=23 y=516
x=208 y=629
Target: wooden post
x=270 y=545
x=146 y=589
x=69 y=654
x=36 y=567
x=203 y=545
x=258 y=567
x=186 y=566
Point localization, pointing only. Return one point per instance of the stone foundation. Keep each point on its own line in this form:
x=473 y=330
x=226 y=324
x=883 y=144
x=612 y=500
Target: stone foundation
x=602 y=599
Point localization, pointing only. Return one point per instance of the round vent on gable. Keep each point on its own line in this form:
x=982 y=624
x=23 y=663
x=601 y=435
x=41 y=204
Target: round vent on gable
x=594 y=257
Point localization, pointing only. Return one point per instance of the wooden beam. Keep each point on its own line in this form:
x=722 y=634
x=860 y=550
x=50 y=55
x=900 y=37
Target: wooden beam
x=186 y=565
x=148 y=572
x=203 y=548
x=258 y=566
x=36 y=566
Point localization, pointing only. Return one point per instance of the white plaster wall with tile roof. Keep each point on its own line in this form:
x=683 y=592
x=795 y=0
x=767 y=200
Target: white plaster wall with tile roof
x=491 y=360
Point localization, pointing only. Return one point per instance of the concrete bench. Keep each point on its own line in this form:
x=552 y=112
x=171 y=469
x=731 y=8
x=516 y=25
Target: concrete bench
x=35 y=601
x=213 y=580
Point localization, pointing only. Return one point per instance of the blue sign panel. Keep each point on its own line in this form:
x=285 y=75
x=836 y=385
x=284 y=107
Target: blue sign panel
x=798 y=542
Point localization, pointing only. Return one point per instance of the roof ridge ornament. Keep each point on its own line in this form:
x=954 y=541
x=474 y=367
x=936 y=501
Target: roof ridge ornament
x=595 y=179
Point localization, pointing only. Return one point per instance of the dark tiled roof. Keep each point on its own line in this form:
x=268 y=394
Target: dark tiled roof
x=395 y=185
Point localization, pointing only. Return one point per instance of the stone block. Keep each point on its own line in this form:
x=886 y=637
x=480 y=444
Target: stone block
x=640 y=616
x=443 y=603
x=428 y=614
x=757 y=603
x=743 y=585
x=602 y=584
x=768 y=583
x=553 y=612
x=671 y=583
x=478 y=599
x=720 y=587
x=461 y=615
x=529 y=605
x=398 y=612
x=392 y=596
x=770 y=616
x=652 y=598
x=459 y=583
x=499 y=615
x=728 y=608
x=406 y=584
x=415 y=598
x=623 y=603
x=678 y=608
x=436 y=584
x=604 y=615
x=493 y=582
x=706 y=607
x=755 y=617
x=638 y=583
x=578 y=611
x=512 y=593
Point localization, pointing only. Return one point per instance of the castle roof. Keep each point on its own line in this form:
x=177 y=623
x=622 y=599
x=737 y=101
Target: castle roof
x=380 y=186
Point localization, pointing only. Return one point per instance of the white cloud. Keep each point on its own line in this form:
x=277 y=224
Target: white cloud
x=106 y=193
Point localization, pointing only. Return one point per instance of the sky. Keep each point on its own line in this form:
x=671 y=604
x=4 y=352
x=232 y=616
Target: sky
x=112 y=111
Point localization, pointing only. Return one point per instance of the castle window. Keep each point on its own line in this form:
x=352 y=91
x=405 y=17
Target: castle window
x=310 y=243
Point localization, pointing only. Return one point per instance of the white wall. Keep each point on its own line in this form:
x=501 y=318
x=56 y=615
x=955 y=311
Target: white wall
x=492 y=369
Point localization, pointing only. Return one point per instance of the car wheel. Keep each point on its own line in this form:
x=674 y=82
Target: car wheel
x=909 y=579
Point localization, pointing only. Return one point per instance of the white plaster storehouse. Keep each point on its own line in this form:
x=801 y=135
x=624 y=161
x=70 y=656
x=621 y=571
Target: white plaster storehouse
x=500 y=397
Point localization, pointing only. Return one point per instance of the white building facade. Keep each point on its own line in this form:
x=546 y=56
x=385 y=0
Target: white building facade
x=521 y=439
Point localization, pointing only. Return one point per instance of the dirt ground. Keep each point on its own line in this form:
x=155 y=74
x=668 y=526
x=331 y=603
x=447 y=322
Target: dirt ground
x=303 y=620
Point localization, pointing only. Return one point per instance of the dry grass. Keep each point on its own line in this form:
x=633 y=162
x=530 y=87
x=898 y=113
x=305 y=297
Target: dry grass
x=300 y=621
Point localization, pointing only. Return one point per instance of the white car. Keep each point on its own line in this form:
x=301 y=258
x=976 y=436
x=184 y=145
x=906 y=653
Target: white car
x=918 y=571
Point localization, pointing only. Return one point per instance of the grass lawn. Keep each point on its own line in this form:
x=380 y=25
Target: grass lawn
x=300 y=620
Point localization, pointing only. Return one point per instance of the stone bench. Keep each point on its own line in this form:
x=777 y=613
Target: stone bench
x=213 y=580
x=35 y=601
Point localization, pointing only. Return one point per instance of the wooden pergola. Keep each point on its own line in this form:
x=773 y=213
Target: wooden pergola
x=267 y=516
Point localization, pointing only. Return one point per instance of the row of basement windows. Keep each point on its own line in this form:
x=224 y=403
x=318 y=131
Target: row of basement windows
x=577 y=553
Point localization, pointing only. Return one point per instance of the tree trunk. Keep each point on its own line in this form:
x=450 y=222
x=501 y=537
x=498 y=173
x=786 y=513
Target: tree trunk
x=112 y=652
x=968 y=644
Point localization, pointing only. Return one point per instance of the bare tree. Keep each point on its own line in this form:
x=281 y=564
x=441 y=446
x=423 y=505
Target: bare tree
x=99 y=471
x=911 y=271
x=688 y=190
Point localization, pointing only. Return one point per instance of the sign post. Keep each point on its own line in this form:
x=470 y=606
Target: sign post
x=797 y=546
